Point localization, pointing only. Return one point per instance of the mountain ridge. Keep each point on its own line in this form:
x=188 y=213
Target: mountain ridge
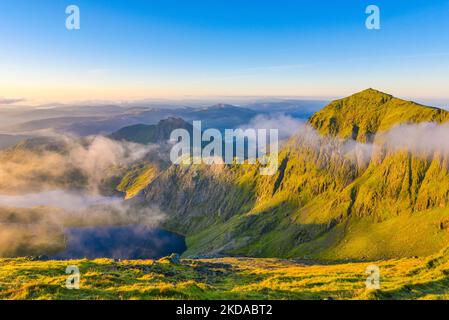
x=319 y=199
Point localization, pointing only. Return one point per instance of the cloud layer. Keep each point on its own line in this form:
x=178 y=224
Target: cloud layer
x=48 y=185
x=421 y=139
x=66 y=163
x=10 y=101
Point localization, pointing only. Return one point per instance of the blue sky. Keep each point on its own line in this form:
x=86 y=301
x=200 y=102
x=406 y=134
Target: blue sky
x=131 y=49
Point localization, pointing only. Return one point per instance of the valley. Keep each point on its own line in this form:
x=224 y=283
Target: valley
x=358 y=184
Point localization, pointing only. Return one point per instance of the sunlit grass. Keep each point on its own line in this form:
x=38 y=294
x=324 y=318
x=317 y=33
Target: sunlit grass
x=224 y=278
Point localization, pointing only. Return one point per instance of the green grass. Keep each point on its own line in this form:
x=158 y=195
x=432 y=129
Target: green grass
x=137 y=179
x=371 y=111
x=225 y=278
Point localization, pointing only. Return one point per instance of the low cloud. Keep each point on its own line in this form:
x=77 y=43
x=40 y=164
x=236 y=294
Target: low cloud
x=286 y=125
x=66 y=163
x=29 y=239
x=421 y=140
x=48 y=185
x=10 y=101
x=75 y=209
x=58 y=198
x=30 y=230
x=304 y=134
x=102 y=154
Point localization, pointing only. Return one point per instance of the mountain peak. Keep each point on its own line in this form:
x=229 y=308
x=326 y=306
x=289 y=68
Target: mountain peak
x=371 y=94
x=371 y=91
x=363 y=114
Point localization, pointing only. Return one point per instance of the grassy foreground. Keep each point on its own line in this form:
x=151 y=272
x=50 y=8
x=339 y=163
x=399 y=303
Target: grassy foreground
x=225 y=278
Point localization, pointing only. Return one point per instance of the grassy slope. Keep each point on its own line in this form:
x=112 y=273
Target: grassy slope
x=370 y=111
x=226 y=278
x=137 y=179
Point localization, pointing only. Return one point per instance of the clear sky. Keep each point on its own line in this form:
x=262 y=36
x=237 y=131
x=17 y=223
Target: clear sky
x=131 y=49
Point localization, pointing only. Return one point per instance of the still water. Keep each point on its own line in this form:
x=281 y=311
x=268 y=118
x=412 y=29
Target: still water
x=120 y=242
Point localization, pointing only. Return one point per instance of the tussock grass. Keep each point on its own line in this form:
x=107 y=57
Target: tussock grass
x=225 y=278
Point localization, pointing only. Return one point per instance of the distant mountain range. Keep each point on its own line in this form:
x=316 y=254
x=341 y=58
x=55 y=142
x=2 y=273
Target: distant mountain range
x=85 y=120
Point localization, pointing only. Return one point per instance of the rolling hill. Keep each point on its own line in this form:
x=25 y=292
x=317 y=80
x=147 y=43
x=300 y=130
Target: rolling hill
x=146 y=134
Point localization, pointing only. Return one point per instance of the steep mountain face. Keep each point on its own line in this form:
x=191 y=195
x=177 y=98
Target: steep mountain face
x=145 y=172
x=341 y=191
x=395 y=180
